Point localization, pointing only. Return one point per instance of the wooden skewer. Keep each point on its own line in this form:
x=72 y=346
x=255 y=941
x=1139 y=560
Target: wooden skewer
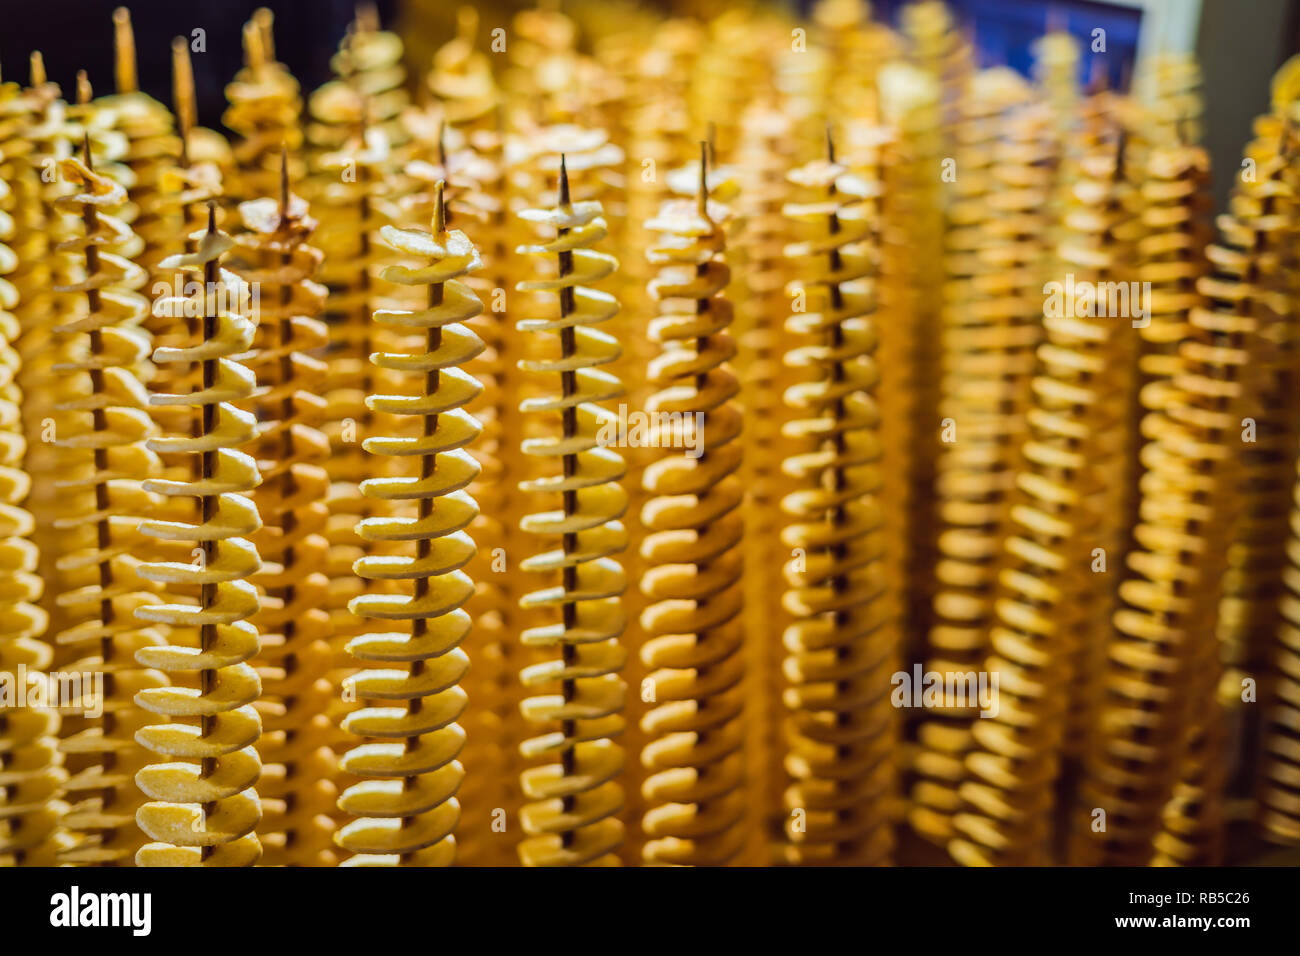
x=255 y=52
x=264 y=20
x=183 y=94
x=124 y=52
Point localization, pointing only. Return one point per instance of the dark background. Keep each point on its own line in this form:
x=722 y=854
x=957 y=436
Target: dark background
x=78 y=34
x=1240 y=44
x=1005 y=30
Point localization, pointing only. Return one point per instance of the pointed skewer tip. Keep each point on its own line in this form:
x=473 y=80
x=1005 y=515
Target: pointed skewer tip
x=439 y=208
x=124 y=51
x=702 y=193
x=284 y=179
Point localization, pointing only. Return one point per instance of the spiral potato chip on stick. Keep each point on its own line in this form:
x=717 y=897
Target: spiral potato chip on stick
x=297 y=786
x=203 y=807
x=574 y=797
x=405 y=806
